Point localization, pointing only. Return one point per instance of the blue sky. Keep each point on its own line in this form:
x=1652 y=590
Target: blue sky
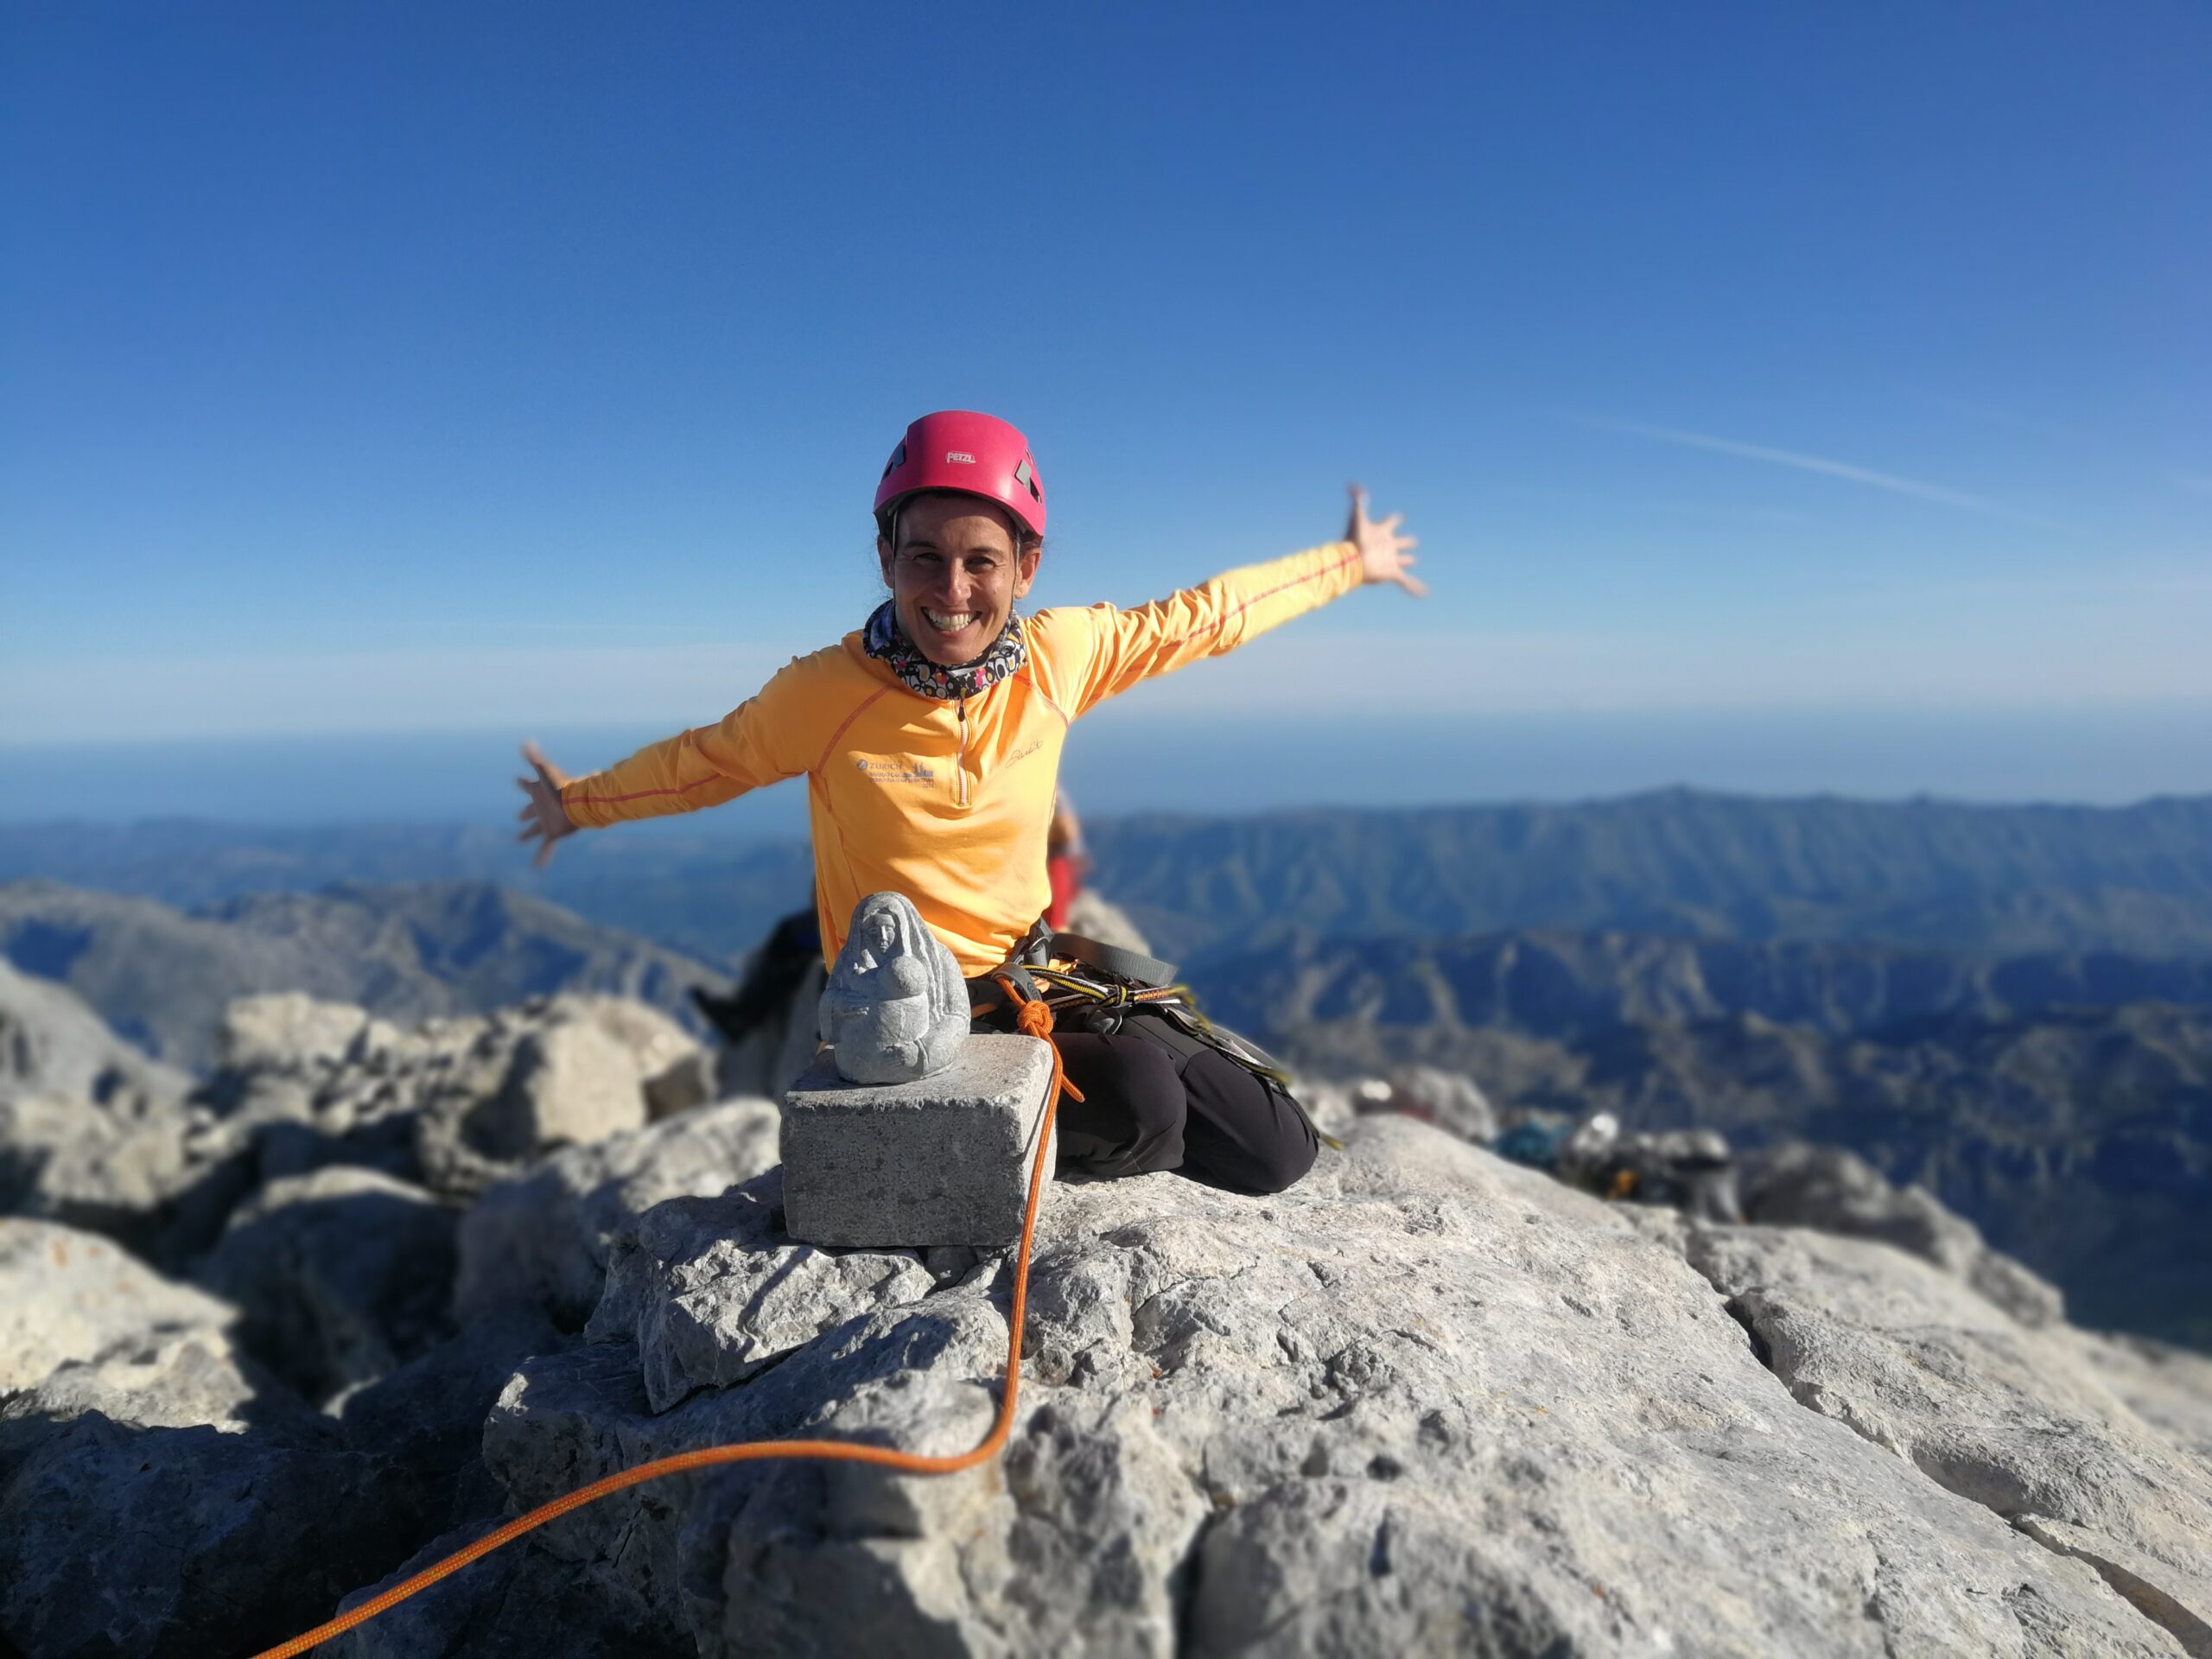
x=375 y=369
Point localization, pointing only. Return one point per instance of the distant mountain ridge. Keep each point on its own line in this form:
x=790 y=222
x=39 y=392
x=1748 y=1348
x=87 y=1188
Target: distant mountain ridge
x=1550 y=983
x=697 y=894
x=2061 y=1099
x=1996 y=881
x=161 y=977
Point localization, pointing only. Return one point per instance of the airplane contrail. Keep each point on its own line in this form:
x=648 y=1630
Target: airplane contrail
x=1821 y=464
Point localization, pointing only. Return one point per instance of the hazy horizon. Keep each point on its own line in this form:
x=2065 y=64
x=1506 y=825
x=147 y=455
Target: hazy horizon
x=1125 y=760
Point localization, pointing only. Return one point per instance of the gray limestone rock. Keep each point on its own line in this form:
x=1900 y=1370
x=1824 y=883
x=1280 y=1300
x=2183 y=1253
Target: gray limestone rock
x=766 y=1060
x=1332 y=1106
x=1833 y=1191
x=292 y=1031
x=542 y=1238
x=712 y=1290
x=83 y=1327
x=2169 y=1388
x=945 y=1159
x=451 y=1105
x=157 y=1494
x=52 y=1044
x=520 y=1604
x=454 y=1105
x=571 y=1081
x=168 y=1380
x=895 y=1009
x=2003 y=1415
x=75 y=1162
x=428 y=1415
x=68 y=1295
x=124 y=1539
x=686 y=1085
x=1425 y=1402
x=343 y=1276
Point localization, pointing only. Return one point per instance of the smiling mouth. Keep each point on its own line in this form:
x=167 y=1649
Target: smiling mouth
x=948 y=621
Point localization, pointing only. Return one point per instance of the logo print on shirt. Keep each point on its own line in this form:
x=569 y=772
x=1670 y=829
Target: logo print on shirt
x=895 y=772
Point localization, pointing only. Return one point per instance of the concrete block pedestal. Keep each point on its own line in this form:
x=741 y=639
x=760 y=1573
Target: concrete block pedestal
x=945 y=1159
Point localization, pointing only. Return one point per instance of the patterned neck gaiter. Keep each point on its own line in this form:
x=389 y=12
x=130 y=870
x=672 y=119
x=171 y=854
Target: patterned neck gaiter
x=883 y=637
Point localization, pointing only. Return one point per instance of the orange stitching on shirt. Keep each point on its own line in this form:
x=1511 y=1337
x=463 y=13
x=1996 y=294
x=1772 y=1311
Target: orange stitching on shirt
x=1028 y=676
x=647 y=794
x=1311 y=575
x=823 y=758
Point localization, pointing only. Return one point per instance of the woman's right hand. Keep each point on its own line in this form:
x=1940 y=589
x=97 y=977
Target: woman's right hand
x=1383 y=554
x=543 y=815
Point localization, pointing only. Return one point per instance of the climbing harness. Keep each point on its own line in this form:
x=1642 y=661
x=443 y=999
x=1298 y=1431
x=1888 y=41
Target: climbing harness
x=1033 y=1017
x=1102 y=984
x=1107 y=990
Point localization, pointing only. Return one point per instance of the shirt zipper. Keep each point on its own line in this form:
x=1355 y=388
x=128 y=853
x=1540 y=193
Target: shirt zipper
x=960 y=766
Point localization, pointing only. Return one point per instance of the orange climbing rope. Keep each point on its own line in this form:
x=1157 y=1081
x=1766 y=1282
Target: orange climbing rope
x=1031 y=1015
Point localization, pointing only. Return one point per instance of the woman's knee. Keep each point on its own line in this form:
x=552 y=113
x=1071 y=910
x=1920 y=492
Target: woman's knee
x=1281 y=1162
x=1245 y=1134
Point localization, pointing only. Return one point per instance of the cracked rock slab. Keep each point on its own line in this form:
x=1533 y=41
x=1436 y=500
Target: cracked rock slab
x=2005 y=1416
x=1425 y=1402
x=712 y=1290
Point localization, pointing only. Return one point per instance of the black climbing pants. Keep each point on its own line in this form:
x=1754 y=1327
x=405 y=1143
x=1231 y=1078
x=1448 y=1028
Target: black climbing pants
x=1155 y=1100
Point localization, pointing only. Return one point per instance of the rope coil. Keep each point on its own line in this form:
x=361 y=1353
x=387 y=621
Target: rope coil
x=1032 y=1016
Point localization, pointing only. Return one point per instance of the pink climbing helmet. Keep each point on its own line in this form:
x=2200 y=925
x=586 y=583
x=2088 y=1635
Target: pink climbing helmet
x=976 y=454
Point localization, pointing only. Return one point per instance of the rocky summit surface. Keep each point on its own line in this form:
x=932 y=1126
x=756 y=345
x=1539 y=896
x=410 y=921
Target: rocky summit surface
x=1428 y=1401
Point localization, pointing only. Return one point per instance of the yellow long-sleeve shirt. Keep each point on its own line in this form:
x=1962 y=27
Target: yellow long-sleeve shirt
x=947 y=802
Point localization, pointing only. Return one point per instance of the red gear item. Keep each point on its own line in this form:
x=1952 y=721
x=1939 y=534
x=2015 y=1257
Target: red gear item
x=1067 y=881
x=975 y=454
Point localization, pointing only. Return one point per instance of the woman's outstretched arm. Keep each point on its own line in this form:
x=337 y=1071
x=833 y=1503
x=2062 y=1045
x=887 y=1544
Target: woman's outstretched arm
x=761 y=741
x=1217 y=616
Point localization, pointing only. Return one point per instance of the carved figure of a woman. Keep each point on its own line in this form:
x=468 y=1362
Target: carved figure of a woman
x=895 y=1008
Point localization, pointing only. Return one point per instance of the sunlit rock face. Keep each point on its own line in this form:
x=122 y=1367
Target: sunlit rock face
x=1424 y=1401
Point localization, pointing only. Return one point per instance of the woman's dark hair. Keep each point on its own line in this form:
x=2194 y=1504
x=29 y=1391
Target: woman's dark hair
x=886 y=522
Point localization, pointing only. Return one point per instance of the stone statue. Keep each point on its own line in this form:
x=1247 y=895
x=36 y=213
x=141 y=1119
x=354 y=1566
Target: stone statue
x=895 y=1008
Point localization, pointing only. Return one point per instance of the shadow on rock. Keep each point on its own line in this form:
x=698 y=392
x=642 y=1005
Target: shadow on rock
x=118 y=1538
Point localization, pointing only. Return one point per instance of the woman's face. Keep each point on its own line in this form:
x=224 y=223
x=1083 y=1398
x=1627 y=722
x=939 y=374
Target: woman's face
x=955 y=575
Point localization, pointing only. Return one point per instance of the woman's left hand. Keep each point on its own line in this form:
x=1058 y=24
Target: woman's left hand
x=1383 y=554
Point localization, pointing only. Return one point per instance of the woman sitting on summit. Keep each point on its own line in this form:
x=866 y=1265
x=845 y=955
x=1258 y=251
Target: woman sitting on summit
x=930 y=740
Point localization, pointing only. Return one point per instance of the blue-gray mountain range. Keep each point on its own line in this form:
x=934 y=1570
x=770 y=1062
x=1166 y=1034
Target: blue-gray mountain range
x=2013 y=1005
x=1984 y=880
